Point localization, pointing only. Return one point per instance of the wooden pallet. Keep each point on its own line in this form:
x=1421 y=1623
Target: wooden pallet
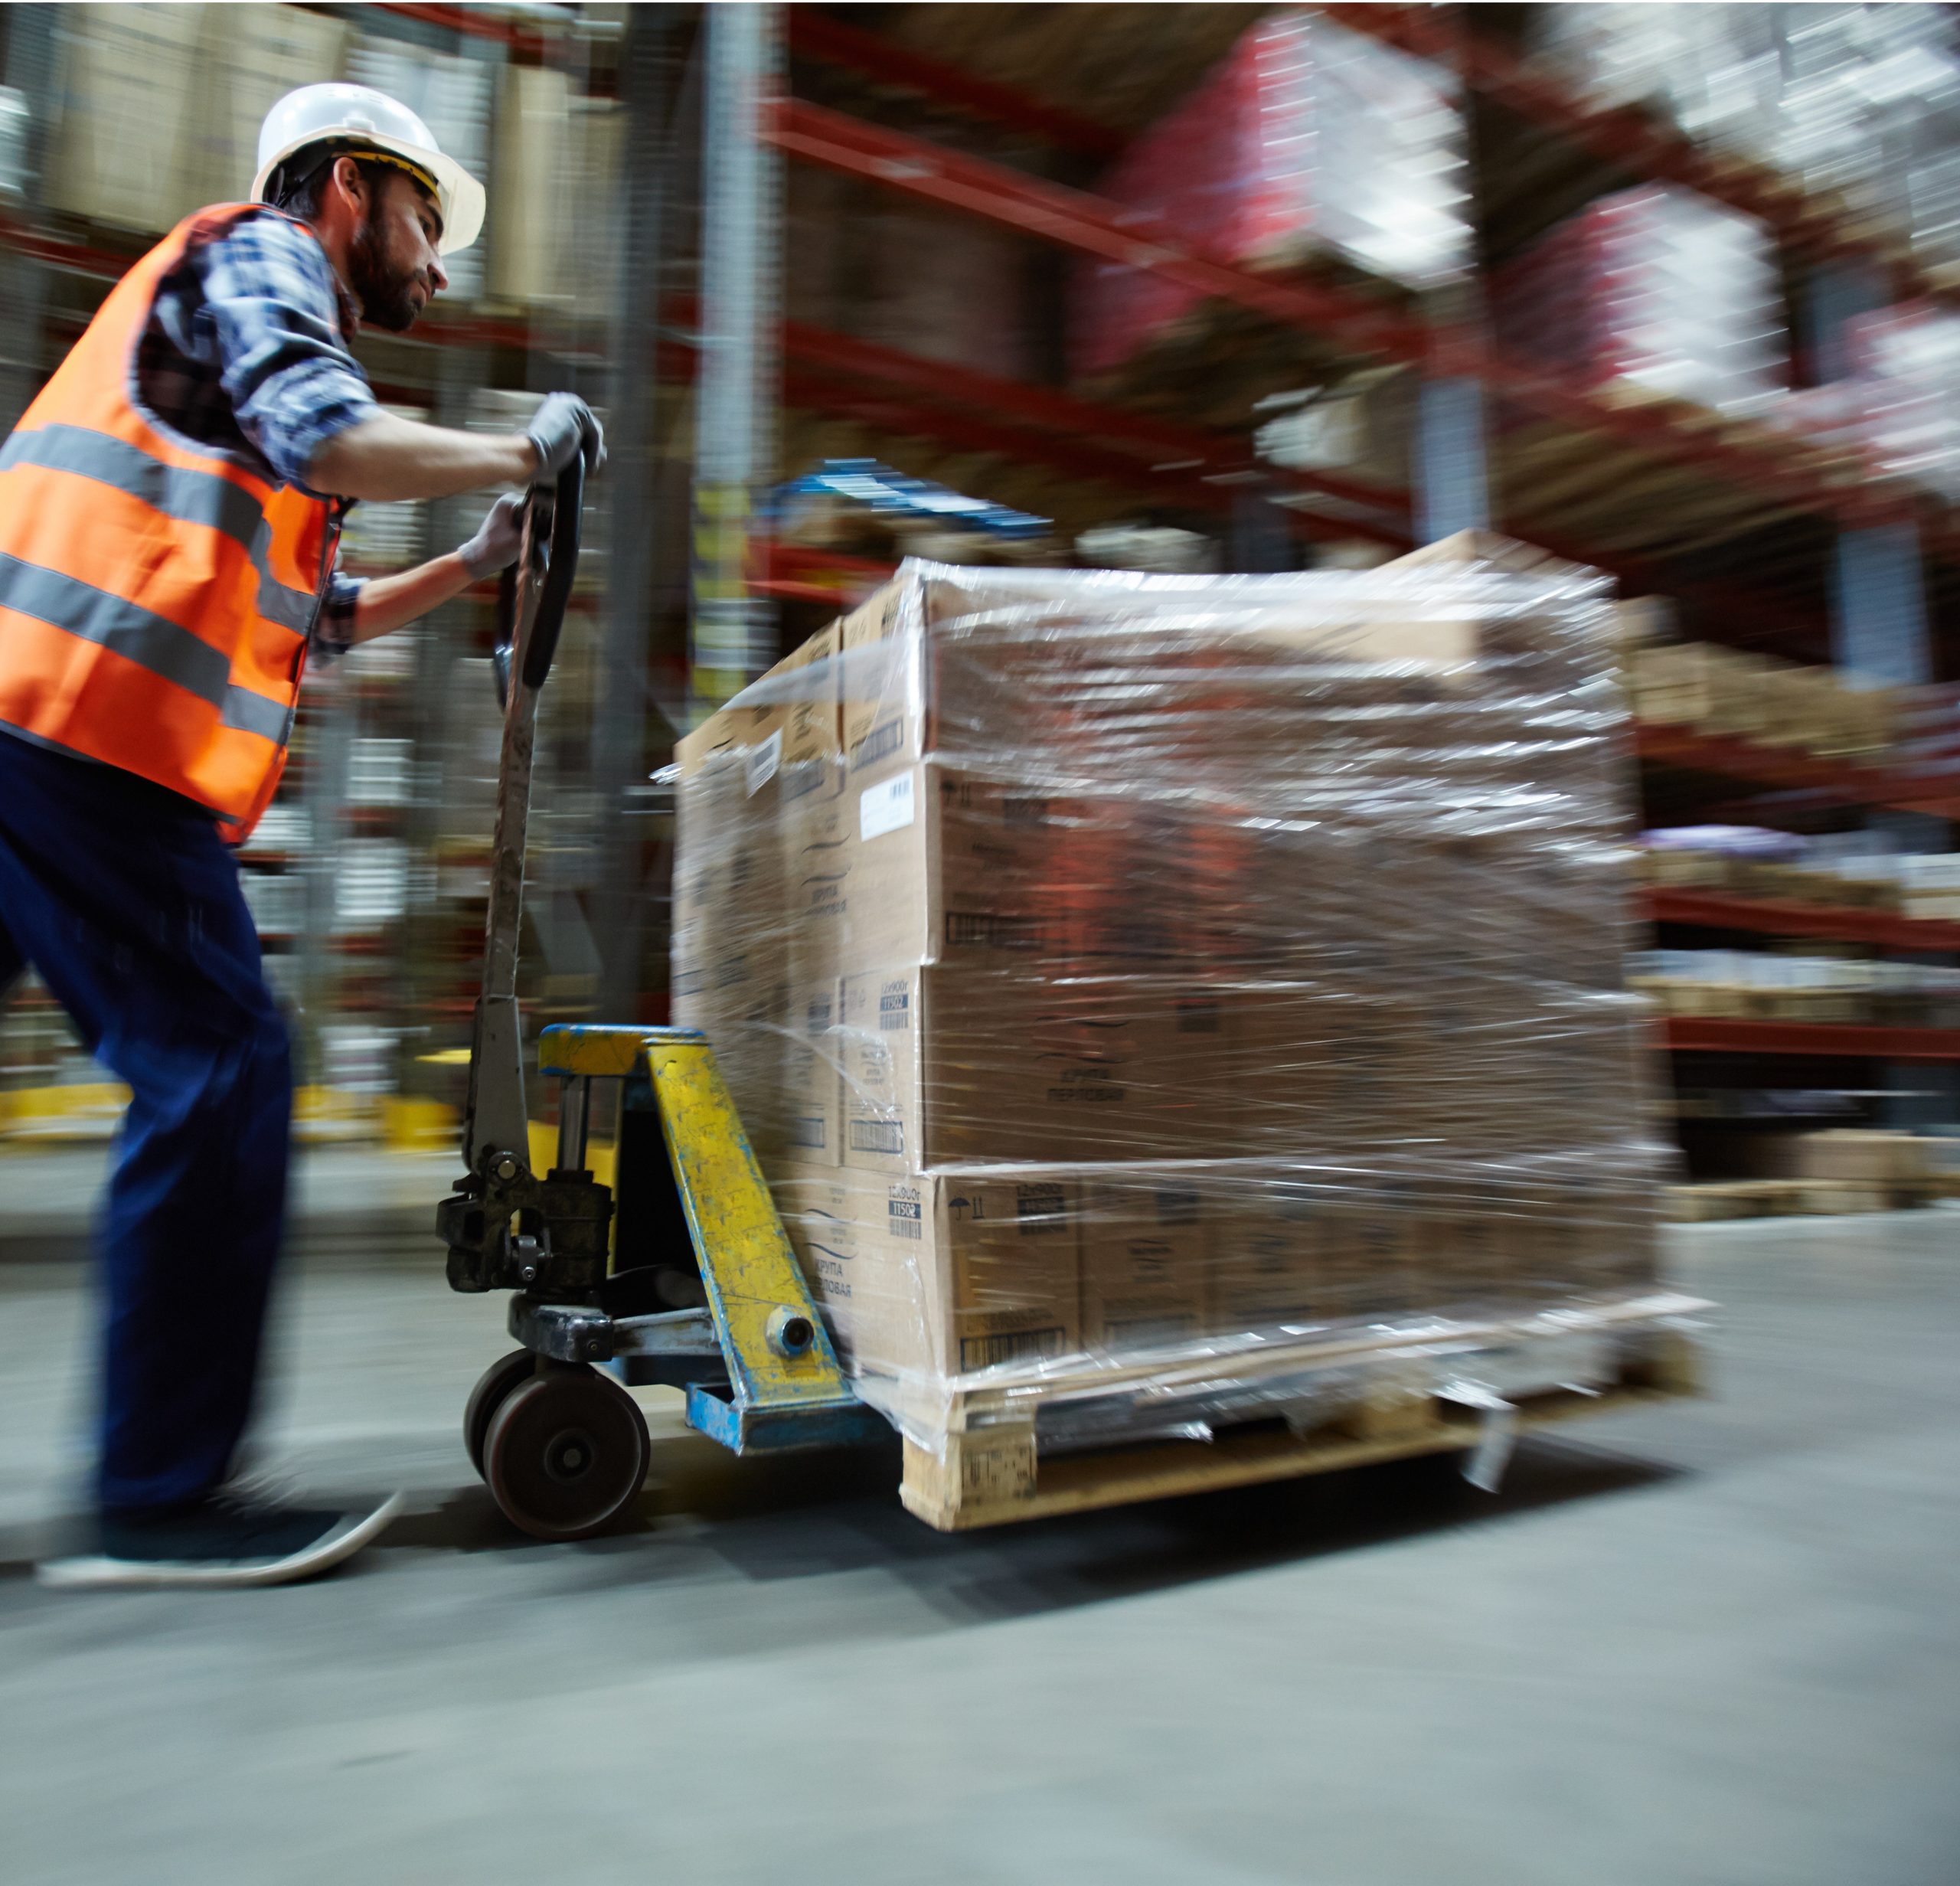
x=1719 y=1201
x=992 y=1472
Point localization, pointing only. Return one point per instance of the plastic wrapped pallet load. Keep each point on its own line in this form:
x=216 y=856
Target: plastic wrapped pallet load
x=1305 y=140
x=1161 y=1003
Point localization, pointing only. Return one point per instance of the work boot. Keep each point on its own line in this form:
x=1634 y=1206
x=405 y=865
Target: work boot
x=221 y=1540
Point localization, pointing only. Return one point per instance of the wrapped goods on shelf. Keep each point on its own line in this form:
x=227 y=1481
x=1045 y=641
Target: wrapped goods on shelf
x=248 y=59
x=1715 y=690
x=591 y=209
x=125 y=115
x=1656 y=292
x=531 y=182
x=946 y=287
x=451 y=93
x=1306 y=138
x=381 y=771
x=1151 y=976
x=1896 y=412
x=277 y=901
x=370 y=884
x=1860 y=102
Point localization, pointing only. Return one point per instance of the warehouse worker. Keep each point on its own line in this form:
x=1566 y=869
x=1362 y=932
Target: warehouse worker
x=170 y=509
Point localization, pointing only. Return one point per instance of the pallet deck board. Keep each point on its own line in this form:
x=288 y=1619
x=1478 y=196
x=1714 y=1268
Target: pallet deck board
x=995 y=1475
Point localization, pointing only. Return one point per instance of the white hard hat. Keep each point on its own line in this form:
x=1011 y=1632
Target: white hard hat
x=363 y=116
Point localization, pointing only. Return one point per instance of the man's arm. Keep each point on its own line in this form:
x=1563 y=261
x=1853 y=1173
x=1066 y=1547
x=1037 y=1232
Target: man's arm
x=387 y=603
x=358 y=611
x=383 y=460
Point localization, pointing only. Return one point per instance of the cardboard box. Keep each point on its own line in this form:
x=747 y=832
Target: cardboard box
x=879 y=1017
x=1145 y=1257
x=943 y=1274
x=879 y=691
x=787 y=717
x=944 y=1063
x=813 y=1081
x=1848 y=1153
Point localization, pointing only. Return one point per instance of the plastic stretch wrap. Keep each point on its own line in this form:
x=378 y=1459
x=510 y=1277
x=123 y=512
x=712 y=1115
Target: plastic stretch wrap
x=1155 y=980
x=1656 y=289
x=1860 y=100
x=1305 y=137
x=1898 y=409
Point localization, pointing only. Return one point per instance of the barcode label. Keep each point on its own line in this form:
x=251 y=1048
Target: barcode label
x=984 y=1351
x=807 y=1130
x=877 y=743
x=761 y=763
x=991 y=929
x=902 y=1217
x=877 y=1135
x=1040 y=1209
x=885 y=808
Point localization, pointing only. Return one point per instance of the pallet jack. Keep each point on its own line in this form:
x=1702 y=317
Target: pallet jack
x=687 y=1277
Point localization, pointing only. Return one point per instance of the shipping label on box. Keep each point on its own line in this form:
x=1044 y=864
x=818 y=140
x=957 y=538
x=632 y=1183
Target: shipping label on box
x=940 y=865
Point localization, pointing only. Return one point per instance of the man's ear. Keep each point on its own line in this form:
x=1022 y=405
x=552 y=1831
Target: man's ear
x=348 y=179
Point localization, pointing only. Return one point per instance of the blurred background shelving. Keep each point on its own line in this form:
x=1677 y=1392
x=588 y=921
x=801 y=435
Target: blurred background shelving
x=1669 y=291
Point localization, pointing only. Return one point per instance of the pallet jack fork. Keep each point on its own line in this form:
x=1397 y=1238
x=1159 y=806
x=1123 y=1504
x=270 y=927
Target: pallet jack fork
x=687 y=1279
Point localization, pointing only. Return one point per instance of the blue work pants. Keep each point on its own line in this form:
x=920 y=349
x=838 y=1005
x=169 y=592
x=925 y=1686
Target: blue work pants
x=125 y=899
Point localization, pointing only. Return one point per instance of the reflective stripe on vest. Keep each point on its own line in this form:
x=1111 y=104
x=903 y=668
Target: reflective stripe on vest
x=190 y=497
x=155 y=595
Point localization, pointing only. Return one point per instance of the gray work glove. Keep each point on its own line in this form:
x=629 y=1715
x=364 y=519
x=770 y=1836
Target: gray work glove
x=498 y=540
x=562 y=425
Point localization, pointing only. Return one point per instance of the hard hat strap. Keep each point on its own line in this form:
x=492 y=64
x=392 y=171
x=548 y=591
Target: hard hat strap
x=416 y=171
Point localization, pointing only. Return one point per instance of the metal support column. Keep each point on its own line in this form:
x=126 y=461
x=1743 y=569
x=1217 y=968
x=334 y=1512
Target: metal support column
x=1452 y=491
x=28 y=98
x=1879 y=635
x=1880 y=638
x=732 y=636
x=620 y=731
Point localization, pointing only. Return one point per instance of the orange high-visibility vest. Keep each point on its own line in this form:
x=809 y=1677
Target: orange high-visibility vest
x=156 y=595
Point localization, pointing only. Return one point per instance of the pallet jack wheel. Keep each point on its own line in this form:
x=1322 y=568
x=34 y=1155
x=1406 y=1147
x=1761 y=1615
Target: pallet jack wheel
x=492 y=1387
x=566 y=1454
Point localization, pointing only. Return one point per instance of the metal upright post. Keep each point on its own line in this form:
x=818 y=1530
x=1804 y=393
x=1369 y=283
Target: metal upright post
x=618 y=732
x=1880 y=638
x=1452 y=492
x=29 y=78
x=733 y=636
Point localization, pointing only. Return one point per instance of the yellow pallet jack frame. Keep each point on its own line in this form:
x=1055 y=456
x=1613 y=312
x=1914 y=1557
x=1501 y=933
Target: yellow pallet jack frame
x=706 y=1295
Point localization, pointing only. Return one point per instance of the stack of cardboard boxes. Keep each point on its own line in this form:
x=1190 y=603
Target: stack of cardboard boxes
x=1103 y=965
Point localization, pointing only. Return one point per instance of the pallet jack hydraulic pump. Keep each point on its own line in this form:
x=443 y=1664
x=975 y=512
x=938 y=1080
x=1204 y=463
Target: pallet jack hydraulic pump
x=687 y=1277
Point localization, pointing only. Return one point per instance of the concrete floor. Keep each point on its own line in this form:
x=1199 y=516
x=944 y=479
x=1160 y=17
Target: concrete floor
x=1714 y=1643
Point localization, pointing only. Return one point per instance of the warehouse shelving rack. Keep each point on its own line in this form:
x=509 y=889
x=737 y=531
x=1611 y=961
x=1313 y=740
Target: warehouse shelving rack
x=1740 y=526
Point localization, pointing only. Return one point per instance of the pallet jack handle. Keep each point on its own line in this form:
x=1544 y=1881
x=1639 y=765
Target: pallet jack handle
x=531 y=600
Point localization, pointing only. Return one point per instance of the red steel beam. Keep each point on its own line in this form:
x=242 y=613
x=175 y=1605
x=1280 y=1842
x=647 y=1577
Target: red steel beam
x=1129 y=444
x=1075 y=219
x=1712 y=1034
x=1766 y=917
x=815 y=34
x=457 y=19
x=1842 y=782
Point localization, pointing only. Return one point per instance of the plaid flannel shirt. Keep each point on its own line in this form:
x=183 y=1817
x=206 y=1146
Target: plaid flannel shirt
x=247 y=350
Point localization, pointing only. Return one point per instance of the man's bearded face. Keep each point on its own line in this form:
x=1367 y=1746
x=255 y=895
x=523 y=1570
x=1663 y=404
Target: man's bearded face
x=392 y=261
